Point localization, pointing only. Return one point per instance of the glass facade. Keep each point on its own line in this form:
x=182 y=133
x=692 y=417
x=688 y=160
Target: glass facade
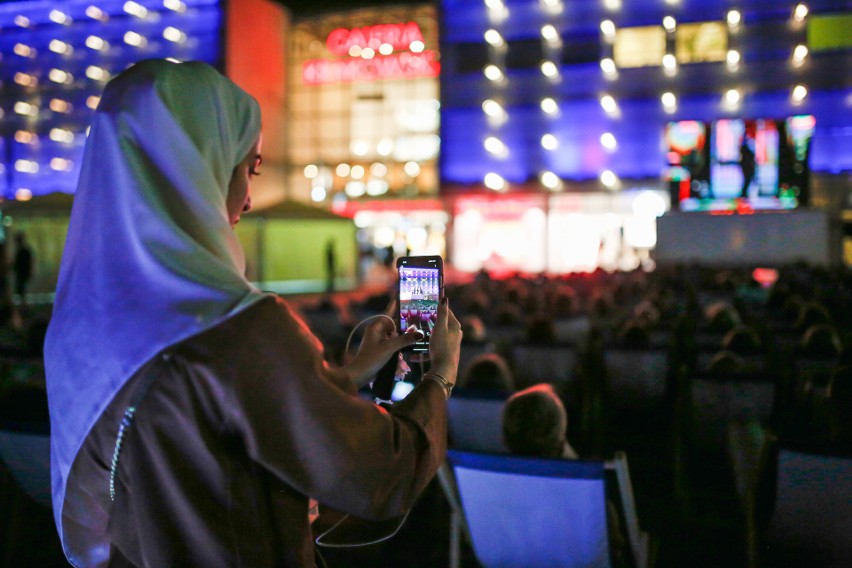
x=56 y=59
x=363 y=105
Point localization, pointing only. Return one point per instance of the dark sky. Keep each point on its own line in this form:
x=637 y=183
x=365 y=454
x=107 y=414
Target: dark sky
x=315 y=7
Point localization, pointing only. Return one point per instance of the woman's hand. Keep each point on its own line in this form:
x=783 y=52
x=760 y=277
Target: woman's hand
x=445 y=343
x=379 y=343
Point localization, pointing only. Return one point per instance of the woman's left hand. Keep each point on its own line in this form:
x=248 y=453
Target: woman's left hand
x=380 y=341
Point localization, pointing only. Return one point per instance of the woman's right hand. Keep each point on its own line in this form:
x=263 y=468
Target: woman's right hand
x=445 y=343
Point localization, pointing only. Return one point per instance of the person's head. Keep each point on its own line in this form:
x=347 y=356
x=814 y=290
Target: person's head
x=473 y=329
x=541 y=329
x=821 y=341
x=239 y=195
x=488 y=372
x=742 y=340
x=721 y=317
x=634 y=335
x=193 y=136
x=535 y=423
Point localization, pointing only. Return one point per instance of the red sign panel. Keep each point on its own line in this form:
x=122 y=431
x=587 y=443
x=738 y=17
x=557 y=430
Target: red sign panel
x=405 y=65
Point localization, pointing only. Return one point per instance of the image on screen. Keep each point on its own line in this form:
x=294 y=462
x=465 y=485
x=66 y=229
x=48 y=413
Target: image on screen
x=419 y=293
x=739 y=164
x=686 y=154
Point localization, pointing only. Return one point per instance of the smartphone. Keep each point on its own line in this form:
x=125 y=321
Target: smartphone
x=420 y=287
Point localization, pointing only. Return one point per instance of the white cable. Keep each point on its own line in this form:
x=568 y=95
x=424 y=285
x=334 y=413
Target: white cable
x=318 y=539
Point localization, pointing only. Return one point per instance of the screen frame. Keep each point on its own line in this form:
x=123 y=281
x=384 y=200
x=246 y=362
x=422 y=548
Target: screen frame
x=427 y=262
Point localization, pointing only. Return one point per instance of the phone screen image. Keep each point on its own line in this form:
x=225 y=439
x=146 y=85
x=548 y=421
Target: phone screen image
x=419 y=294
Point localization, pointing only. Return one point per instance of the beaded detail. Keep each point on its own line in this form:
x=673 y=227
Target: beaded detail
x=126 y=421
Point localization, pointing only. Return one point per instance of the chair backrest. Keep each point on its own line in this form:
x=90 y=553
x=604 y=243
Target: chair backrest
x=718 y=400
x=636 y=379
x=531 y=513
x=534 y=364
x=27 y=457
x=475 y=421
x=813 y=511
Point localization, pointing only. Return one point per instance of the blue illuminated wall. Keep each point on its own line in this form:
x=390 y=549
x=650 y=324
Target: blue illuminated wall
x=55 y=58
x=765 y=76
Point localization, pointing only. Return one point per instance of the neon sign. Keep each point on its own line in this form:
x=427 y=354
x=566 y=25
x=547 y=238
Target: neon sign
x=399 y=36
x=396 y=51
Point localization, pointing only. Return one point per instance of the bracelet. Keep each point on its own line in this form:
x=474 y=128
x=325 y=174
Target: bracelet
x=440 y=380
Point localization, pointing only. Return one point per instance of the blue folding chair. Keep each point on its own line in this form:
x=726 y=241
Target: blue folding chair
x=536 y=513
x=812 y=520
x=475 y=421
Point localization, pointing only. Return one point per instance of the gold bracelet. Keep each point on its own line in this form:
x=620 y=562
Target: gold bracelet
x=440 y=380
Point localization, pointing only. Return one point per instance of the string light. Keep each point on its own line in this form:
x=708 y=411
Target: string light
x=734 y=18
x=24 y=50
x=608 y=104
x=97 y=73
x=26 y=166
x=412 y=169
x=669 y=23
x=25 y=79
x=59 y=46
x=58 y=105
x=608 y=178
x=495 y=146
x=493 y=73
x=549 y=33
x=60 y=76
x=93 y=101
x=134 y=39
x=23 y=194
x=25 y=109
x=669 y=101
x=387 y=49
x=608 y=29
x=799 y=93
x=174 y=35
x=59 y=17
x=342 y=170
x=25 y=137
x=493 y=38
x=61 y=164
x=311 y=171
x=608 y=141
x=61 y=135
x=549 y=69
x=608 y=66
x=732 y=98
x=800 y=13
x=550 y=180
x=549 y=142
x=135 y=9
x=493 y=109
x=96 y=13
x=800 y=53
x=549 y=106
x=175 y=5
x=357 y=172
x=732 y=58
x=368 y=53
x=669 y=63
x=494 y=181
x=96 y=43
x=22 y=21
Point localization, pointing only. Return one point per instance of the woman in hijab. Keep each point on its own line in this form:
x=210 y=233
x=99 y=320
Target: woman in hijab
x=192 y=416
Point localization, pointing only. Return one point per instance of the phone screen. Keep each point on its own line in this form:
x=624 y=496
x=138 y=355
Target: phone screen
x=420 y=286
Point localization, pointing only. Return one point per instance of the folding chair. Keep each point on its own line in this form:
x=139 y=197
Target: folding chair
x=812 y=520
x=475 y=421
x=535 y=513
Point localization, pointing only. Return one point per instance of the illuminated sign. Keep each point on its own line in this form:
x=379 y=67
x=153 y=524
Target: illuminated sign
x=398 y=36
x=373 y=53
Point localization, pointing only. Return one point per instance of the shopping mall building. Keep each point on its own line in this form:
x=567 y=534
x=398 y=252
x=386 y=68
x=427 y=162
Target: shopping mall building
x=521 y=135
